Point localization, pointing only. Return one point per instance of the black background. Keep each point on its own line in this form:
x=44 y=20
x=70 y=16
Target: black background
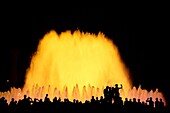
x=140 y=31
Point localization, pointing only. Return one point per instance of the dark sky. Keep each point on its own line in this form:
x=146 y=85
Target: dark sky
x=140 y=32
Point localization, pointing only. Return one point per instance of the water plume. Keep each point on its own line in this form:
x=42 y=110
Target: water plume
x=77 y=66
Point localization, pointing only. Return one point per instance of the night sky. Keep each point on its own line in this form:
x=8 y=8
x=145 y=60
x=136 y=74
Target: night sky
x=141 y=34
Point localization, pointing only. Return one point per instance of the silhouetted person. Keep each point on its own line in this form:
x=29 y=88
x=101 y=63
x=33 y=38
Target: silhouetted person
x=12 y=105
x=109 y=96
x=59 y=100
x=118 y=103
x=40 y=103
x=116 y=90
x=47 y=103
x=106 y=93
x=97 y=102
x=143 y=106
x=47 y=100
x=161 y=104
x=74 y=101
x=26 y=102
x=112 y=92
x=3 y=105
x=35 y=105
x=55 y=101
x=151 y=103
x=156 y=103
x=93 y=100
x=134 y=104
x=138 y=104
x=127 y=104
x=101 y=100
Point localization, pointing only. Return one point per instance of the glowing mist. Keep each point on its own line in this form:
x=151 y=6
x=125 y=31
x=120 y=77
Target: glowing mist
x=77 y=66
x=66 y=59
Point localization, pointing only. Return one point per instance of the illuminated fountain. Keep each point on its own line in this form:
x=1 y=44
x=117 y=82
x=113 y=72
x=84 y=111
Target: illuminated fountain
x=77 y=66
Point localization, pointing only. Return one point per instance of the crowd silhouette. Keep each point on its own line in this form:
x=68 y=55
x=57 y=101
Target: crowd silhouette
x=109 y=103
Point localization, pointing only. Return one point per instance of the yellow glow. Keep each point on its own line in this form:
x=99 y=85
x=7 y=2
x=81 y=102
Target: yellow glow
x=77 y=66
x=66 y=59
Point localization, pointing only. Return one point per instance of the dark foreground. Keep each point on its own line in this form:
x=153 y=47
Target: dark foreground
x=110 y=103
